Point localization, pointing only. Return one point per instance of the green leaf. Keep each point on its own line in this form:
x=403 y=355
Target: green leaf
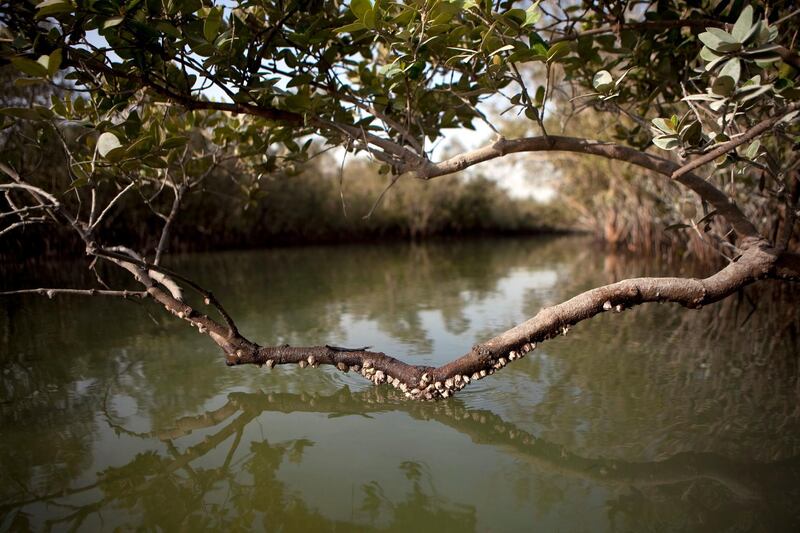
x=719 y=40
x=30 y=67
x=715 y=63
x=753 y=149
x=558 y=51
x=44 y=112
x=723 y=86
x=667 y=142
x=539 y=96
x=155 y=162
x=733 y=69
x=532 y=14
x=53 y=7
x=405 y=17
x=350 y=28
x=663 y=125
x=174 y=142
x=369 y=19
x=360 y=8
x=753 y=34
x=113 y=21
x=502 y=49
x=21 y=112
x=767 y=34
x=603 y=81
x=750 y=92
x=707 y=54
x=700 y=98
x=27 y=82
x=692 y=133
x=743 y=24
x=54 y=62
x=212 y=24
x=709 y=39
x=724 y=161
x=107 y=142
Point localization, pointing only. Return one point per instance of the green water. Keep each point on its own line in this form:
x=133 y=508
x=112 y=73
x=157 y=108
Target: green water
x=115 y=415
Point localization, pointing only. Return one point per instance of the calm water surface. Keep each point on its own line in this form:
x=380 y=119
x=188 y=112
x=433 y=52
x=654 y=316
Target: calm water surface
x=114 y=415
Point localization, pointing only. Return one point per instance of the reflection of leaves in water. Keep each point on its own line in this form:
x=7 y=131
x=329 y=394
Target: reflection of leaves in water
x=412 y=470
x=296 y=451
x=418 y=508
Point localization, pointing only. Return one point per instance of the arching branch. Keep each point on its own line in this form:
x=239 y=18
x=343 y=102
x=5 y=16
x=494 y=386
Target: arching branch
x=707 y=191
x=418 y=382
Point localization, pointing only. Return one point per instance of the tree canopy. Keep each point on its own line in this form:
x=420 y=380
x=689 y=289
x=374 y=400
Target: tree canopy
x=152 y=94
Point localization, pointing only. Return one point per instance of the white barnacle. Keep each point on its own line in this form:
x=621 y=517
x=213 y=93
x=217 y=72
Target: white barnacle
x=415 y=392
x=403 y=387
x=438 y=385
x=448 y=383
x=312 y=360
x=355 y=368
x=607 y=305
x=512 y=356
x=342 y=366
x=457 y=379
x=483 y=373
x=425 y=378
x=502 y=362
x=476 y=376
x=181 y=314
x=395 y=383
x=367 y=364
x=270 y=363
x=302 y=363
x=201 y=329
x=446 y=394
x=618 y=309
x=379 y=377
x=466 y=378
x=564 y=330
x=239 y=354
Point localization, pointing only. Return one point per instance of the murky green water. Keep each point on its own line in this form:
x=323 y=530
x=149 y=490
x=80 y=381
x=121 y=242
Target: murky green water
x=115 y=415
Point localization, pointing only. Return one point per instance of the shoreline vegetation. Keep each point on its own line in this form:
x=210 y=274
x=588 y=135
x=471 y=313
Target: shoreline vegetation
x=311 y=207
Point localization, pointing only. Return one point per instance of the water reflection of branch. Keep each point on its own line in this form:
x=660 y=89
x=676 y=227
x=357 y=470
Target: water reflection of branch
x=485 y=427
x=142 y=476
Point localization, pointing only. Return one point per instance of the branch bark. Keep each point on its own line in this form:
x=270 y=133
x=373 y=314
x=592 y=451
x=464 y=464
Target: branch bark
x=721 y=202
x=423 y=382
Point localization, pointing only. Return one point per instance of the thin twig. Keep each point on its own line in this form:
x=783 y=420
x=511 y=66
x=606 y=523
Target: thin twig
x=110 y=205
x=82 y=292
